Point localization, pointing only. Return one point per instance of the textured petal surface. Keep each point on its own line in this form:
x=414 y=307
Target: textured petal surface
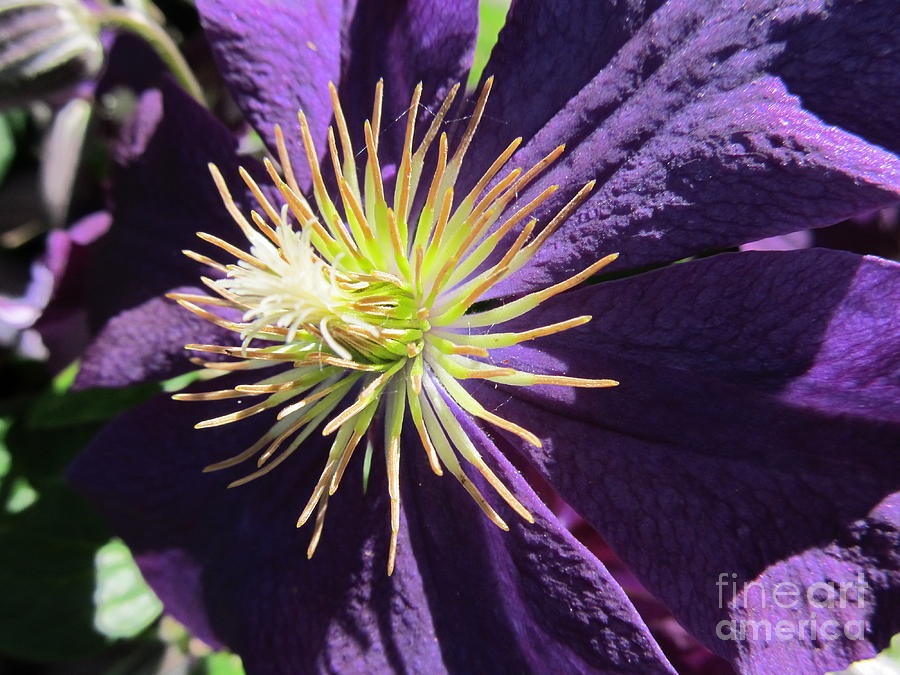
x=464 y=596
x=280 y=57
x=839 y=56
x=753 y=436
x=147 y=342
x=546 y=52
x=696 y=142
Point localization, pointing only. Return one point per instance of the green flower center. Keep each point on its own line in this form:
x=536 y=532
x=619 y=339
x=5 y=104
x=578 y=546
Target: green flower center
x=370 y=304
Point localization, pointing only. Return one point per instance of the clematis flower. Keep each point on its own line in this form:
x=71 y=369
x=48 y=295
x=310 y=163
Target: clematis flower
x=748 y=451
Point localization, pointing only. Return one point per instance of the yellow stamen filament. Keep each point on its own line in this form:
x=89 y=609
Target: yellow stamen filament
x=496 y=340
x=285 y=160
x=196 y=298
x=346 y=146
x=258 y=194
x=404 y=178
x=448 y=456
x=233 y=250
x=208 y=395
x=435 y=124
x=205 y=260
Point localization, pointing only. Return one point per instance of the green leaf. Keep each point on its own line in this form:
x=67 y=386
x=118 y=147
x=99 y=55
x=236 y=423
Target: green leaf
x=73 y=408
x=5 y=459
x=65 y=379
x=124 y=605
x=222 y=663
x=492 y=16
x=7 y=147
x=41 y=455
x=47 y=579
x=21 y=495
x=13 y=123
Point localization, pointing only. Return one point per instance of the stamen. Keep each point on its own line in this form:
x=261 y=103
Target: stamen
x=469 y=133
x=241 y=414
x=374 y=167
x=230 y=206
x=467 y=449
x=490 y=242
x=261 y=198
x=376 y=112
x=473 y=407
x=498 y=340
x=204 y=260
x=525 y=304
x=196 y=298
x=366 y=396
x=415 y=410
x=359 y=428
x=233 y=250
x=492 y=171
x=208 y=395
x=404 y=177
x=326 y=206
x=359 y=303
x=396 y=400
x=346 y=146
x=435 y=125
x=323 y=241
x=552 y=226
x=448 y=457
x=426 y=220
x=265 y=228
x=285 y=160
x=315 y=396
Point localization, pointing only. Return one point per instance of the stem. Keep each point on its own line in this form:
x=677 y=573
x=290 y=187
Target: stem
x=159 y=40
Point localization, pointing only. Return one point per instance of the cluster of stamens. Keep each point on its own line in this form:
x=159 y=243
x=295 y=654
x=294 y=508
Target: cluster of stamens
x=371 y=305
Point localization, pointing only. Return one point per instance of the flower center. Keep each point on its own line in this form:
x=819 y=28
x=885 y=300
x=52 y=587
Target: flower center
x=371 y=304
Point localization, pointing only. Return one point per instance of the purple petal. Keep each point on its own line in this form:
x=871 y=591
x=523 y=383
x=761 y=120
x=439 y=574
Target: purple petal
x=540 y=575
x=876 y=233
x=280 y=58
x=405 y=42
x=147 y=343
x=545 y=54
x=19 y=312
x=464 y=596
x=841 y=60
x=754 y=432
x=782 y=242
x=48 y=320
x=163 y=194
x=696 y=144
x=839 y=57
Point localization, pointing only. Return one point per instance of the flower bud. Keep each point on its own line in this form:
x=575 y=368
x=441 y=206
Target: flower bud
x=45 y=46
